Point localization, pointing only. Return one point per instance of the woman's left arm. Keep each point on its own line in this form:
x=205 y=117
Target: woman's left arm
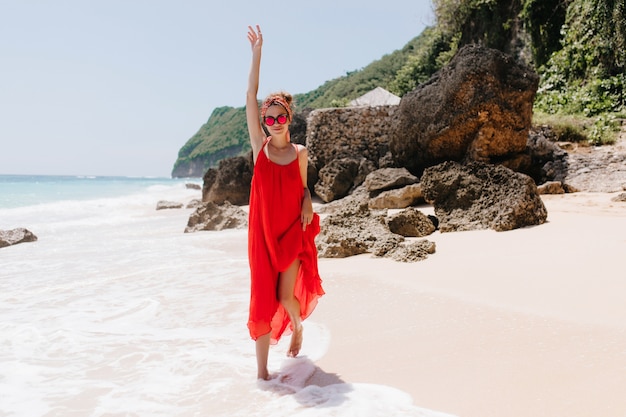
x=306 y=214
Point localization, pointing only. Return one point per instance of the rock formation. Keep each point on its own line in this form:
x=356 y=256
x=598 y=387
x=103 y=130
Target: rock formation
x=545 y=161
x=597 y=169
x=212 y=216
x=386 y=179
x=482 y=196
x=350 y=132
x=620 y=198
x=15 y=236
x=168 y=205
x=409 y=195
x=354 y=229
x=410 y=223
x=339 y=177
x=551 y=187
x=476 y=108
x=350 y=227
x=461 y=141
x=230 y=181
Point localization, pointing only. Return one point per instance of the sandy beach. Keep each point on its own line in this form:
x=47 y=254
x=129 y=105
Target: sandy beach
x=530 y=322
x=114 y=299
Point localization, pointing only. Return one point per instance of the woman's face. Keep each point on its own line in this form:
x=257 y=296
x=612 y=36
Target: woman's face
x=276 y=118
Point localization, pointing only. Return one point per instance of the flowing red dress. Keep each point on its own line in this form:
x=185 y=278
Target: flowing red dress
x=275 y=240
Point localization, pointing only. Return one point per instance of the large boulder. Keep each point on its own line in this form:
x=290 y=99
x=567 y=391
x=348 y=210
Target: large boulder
x=15 y=236
x=393 y=188
x=388 y=179
x=211 y=216
x=340 y=177
x=411 y=223
x=476 y=108
x=230 y=181
x=344 y=132
x=336 y=179
x=482 y=196
x=352 y=229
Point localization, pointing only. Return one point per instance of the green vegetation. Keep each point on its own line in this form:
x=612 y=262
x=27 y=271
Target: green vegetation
x=225 y=134
x=585 y=78
x=431 y=51
x=580 y=129
x=578 y=47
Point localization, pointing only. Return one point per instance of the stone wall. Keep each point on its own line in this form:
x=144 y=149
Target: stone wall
x=350 y=132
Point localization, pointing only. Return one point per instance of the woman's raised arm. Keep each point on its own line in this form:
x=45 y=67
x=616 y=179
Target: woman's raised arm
x=257 y=135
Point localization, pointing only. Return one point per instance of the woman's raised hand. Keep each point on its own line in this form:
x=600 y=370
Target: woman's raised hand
x=255 y=37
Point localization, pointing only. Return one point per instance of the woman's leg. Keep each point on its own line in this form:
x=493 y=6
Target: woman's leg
x=262 y=353
x=286 y=285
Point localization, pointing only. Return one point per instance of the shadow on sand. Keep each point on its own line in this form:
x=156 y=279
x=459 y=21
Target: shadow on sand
x=308 y=384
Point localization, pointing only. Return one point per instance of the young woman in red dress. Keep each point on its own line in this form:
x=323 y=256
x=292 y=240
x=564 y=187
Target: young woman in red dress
x=285 y=283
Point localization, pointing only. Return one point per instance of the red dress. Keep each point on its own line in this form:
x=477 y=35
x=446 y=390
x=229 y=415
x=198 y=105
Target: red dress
x=275 y=240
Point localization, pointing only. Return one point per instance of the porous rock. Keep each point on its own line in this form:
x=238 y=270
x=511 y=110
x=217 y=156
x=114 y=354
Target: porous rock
x=336 y=179
x=551 y=187
x=476 y=108
x=388 y=178
x=167 y=205
x=212 y=216
x=230 y=181
x=344 y=132
x=620 y=198
x=354 y=230
x=15 y=236
x=193 y=204
x=410 y=223
x=482 y=196
x=399 y=198
x=412 y=251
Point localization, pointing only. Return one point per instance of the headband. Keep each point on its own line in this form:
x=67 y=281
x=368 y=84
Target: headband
x=276 y=99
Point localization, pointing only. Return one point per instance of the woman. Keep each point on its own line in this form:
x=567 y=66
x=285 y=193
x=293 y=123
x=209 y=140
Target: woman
x=285 y=283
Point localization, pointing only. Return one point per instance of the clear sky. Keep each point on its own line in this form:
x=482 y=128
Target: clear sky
x=116 y=87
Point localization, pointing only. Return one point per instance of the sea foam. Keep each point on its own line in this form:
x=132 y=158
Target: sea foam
x=115 y=311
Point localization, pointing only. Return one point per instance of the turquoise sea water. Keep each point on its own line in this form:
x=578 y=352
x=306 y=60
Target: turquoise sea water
x=27 y=190
x=115 y=311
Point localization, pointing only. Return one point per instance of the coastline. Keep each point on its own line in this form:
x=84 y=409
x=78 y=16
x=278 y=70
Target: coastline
x=526 y=322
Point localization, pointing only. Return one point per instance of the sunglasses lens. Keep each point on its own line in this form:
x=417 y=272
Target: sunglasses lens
x=269 y=120
x=282 y=119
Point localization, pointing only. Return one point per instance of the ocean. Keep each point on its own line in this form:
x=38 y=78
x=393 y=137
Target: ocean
x=115 y=311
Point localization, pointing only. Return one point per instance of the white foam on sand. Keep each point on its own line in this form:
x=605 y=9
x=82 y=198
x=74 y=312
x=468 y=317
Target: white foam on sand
x=115 y=311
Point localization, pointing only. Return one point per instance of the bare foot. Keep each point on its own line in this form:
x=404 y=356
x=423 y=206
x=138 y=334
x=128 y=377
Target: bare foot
x=296 y=342
x=263 y=375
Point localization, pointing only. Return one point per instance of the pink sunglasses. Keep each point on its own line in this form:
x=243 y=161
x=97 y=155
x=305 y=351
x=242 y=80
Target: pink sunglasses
x=281 y=119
